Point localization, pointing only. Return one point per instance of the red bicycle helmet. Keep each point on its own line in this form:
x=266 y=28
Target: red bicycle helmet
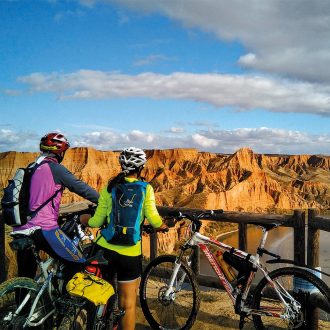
x=56 y=143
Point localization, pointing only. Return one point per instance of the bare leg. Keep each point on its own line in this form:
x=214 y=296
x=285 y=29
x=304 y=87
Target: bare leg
x=127 y=302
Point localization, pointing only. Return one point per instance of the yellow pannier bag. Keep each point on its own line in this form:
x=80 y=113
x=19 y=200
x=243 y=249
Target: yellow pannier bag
x=91 y=287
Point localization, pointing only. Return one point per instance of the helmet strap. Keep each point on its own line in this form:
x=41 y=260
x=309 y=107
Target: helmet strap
x=139 y=171
x=60 y=156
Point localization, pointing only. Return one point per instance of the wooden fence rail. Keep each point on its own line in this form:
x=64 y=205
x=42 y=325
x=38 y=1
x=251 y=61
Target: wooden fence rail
x=298 y=221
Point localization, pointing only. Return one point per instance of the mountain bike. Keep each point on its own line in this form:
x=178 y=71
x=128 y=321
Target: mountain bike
x=170 y=296
x=43 y=303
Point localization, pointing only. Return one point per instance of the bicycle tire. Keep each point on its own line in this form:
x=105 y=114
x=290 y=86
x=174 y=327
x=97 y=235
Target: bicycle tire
x=12 y=293
x=295 y=281
x=180 y=311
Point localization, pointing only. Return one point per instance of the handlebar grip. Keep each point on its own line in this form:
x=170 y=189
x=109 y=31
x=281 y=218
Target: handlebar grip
x=150 y=230
x=174 y=214
x=170 y=222
x=219 y=211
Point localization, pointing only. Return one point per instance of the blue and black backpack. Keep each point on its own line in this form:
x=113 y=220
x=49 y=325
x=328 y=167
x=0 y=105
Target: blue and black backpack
x=124 y=226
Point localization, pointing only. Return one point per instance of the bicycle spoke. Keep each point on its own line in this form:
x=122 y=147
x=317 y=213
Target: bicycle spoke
x=169 y=309
x=296 y=307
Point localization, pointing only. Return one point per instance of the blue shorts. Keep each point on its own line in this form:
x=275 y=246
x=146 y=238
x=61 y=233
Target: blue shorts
x=63 y=246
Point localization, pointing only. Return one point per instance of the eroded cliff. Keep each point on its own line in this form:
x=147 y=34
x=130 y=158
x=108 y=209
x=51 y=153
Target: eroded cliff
x=185 y=177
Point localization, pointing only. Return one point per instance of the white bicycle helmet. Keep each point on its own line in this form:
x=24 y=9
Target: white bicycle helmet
x=131 y=159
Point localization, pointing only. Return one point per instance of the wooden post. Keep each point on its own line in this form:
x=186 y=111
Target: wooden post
x=153 y=246
x=299 y=237
x=242 y=236
x=313 y=259
x=3 y=272
x=313 y=241
x=299 y=240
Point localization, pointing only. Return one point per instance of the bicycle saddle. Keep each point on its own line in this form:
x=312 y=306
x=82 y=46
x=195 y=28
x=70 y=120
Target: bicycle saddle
x=21 y=242
x=97 y=259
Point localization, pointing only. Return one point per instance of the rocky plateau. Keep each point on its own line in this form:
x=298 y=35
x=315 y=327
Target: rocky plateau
x=243 y=181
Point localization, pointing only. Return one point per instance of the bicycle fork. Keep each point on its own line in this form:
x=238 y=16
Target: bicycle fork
x=34 y=315
x=169 y=294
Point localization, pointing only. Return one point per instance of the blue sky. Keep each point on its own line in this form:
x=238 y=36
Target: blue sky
x=212 y=75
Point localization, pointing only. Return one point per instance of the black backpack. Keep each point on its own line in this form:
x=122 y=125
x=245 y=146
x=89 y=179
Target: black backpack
x=15 y=201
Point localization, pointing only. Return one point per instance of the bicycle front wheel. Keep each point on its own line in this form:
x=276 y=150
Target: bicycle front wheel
x=12 y=294
x=310 y=292
x=169 y=309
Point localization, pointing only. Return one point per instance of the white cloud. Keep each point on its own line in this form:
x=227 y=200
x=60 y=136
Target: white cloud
x=247 y=59
x=245 y=92
x=204 y=142
x=138 y=136
x=11 y=92
x=18 y=141
x=152 y=59
x=177 y=130
x=261 y=140
x=286 y=37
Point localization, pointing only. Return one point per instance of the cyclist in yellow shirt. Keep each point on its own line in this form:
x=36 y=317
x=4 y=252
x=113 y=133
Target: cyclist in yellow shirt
x=124 y=204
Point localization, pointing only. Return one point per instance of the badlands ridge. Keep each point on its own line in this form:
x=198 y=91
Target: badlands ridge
x=243 y=181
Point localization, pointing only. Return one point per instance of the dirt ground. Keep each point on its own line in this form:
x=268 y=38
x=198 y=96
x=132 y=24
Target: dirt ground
x=216 y=312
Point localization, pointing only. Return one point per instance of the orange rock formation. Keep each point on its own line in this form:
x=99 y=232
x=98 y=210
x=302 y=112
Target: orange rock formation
x=244 y=181
x=185 y=177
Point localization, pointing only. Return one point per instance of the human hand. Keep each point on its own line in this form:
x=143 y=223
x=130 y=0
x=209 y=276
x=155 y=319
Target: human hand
x=163 y=228
x=84 y=219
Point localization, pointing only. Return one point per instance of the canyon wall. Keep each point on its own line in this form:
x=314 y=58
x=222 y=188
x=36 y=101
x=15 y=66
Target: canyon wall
x=243 y=181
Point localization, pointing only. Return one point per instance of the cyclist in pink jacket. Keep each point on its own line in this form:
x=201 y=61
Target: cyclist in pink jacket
x=48 y=182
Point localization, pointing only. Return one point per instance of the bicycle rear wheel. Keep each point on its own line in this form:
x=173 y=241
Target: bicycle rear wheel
x=12 y=293
x=179 y=310
x=309 y=291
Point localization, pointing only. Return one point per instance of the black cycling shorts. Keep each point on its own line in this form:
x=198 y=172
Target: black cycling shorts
x=127 y=268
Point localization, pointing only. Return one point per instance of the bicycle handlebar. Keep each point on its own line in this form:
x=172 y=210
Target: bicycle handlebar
x=150 y=229
x=193 y=216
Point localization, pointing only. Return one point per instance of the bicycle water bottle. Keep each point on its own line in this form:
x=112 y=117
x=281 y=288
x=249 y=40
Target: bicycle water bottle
x=93 y=269
x=226 y=268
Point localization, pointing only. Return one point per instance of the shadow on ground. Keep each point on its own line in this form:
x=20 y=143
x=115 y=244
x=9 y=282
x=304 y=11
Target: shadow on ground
x=216 y=312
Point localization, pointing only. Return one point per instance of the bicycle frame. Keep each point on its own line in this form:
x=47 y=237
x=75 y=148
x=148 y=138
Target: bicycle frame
x=46 y=275
x=238 y=299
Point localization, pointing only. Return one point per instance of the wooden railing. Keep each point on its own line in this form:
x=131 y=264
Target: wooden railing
x=298 y=221
x=295 y=221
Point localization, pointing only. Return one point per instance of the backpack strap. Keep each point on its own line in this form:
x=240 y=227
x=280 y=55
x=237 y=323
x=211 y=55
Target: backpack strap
x=33 y=213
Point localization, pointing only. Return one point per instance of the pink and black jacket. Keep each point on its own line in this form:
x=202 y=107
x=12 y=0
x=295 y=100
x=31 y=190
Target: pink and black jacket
x=50 y=177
